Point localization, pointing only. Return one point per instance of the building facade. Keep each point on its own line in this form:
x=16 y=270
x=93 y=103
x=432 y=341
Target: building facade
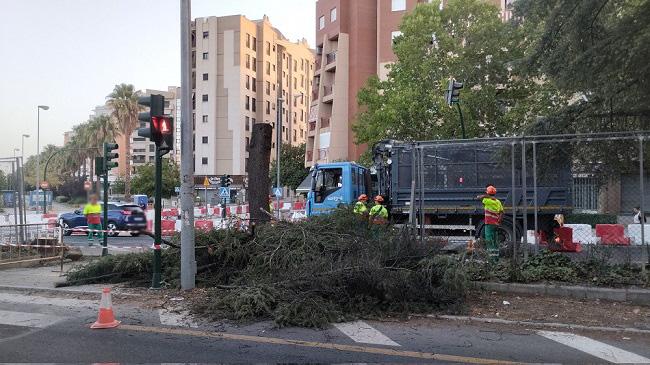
x=354 y=40
x=241 y=70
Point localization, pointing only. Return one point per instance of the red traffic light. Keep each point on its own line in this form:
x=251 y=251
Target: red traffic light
x=161 y=126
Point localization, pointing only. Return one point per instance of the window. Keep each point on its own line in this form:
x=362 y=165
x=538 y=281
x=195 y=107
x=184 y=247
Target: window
x=248 y=82
x=248 y=103
x=205 y=97
x=247 y=123
x=321 y=22
x=204 y=161
x=204 y=118
x=254 y=84
x=248 y=61
x=152 y=148
x=268 y=88
x=254 y=64
x=205 y=77
x=268 y=48
x=248 y=40
x=295 y=65
x=394 y=35
x=327 y=182
x=205 y=55
x=254 y=44
x=204 y=140
x=398 y=5
x=248 y=143
x=254 y=105
x=295 y=135
x=268 y=68
x=268 y=107
x=333 y=15
x=206 y=35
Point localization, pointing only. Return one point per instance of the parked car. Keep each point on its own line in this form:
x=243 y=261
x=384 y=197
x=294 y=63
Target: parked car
x=121 y=217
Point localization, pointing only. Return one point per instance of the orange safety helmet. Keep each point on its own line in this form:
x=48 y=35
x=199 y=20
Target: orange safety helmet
x=491 y=190
x=379 y=199
x=363 y=198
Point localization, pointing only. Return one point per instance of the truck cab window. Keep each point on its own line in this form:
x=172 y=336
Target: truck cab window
x=327 y=182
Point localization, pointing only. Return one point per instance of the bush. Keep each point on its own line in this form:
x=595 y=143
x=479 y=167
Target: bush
x=591 y=219
x=78 y=200
x=62 y=199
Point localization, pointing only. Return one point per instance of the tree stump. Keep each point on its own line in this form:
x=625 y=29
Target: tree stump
x=259 y=160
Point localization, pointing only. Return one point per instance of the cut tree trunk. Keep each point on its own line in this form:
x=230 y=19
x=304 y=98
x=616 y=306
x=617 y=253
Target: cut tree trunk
x=259 y=183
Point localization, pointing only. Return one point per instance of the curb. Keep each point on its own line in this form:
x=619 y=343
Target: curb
x=30 y=289
x=539 y=324
x=635 y=296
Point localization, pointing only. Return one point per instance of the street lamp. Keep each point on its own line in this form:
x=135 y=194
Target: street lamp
x=22 y=146
x=38 y=152
x=16 y=150
x=278 y=144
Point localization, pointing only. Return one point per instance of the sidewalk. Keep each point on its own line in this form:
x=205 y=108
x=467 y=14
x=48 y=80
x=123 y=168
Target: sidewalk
x=42 y=278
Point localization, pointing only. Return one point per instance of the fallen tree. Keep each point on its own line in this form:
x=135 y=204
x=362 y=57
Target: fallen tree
x=309 y=273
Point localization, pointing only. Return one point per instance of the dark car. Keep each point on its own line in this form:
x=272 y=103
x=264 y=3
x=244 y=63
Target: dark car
x=121 y=217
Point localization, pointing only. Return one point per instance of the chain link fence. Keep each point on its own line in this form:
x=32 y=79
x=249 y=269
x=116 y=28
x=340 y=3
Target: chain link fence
x=23 y=242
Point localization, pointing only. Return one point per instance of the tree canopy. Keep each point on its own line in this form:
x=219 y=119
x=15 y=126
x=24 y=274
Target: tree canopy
x=144 y=179
x=292 y=166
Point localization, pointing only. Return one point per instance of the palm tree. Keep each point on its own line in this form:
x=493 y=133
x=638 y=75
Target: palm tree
x=124 y=104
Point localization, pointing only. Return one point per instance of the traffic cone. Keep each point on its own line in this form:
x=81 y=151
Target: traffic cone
x=106 y=318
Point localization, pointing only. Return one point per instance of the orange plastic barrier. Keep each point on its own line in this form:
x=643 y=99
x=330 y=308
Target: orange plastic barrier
x=168 y=225
x=612 y=234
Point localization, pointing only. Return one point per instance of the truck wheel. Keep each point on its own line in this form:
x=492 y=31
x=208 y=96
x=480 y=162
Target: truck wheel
x=504 y=233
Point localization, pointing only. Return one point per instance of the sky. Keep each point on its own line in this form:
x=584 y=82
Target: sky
x=69 y=54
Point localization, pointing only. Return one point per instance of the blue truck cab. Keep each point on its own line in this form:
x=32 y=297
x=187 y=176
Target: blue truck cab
x=336 y=184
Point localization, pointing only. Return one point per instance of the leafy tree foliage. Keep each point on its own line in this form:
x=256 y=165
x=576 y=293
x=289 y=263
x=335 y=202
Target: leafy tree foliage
x=144 y=180
x=292 y=166
x=466 y=40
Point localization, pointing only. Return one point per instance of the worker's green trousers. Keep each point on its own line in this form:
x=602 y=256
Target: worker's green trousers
x=93 y=231
x=491 y=242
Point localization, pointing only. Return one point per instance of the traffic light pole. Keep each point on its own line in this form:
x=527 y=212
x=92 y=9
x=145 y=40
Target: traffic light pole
x=462 y=121
x=157 y=257
x=105 y=207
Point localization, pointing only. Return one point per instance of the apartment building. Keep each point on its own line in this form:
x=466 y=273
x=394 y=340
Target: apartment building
x=242 y=69
x=354 y=41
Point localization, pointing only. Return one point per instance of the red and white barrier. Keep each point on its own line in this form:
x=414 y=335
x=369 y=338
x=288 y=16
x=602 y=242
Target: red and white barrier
x=612 y=234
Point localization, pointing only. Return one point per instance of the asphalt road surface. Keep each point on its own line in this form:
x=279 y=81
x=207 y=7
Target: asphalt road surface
x=35 y=328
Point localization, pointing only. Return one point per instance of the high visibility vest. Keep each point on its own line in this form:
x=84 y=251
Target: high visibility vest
x=493 y=210
x=379 y=211
x=360 y=208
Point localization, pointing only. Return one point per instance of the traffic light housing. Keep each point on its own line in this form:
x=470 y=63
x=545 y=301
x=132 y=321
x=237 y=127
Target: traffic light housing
x=226 y=180
x=110 y=157
x=452 y=95
x=156 y=105
x=162 y=129
x=99 y=166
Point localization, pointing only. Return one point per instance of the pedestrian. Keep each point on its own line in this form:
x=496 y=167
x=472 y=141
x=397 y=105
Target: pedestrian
x=639 y=217
x=93 y=212
x=360 y=206
x=493 y=213
x=379 y=213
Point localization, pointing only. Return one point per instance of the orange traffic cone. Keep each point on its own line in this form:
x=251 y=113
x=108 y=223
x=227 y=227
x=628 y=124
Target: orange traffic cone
x=106 y=318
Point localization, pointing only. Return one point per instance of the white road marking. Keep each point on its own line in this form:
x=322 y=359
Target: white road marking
x=176 y=319
x=595 y=348
x=33 y=320
x=362 y=332
x=59 y=302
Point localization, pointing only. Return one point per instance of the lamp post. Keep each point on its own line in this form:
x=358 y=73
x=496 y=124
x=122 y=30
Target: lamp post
x=22 y=146
x=16 y=150
x=278 y=144
x=38 y=152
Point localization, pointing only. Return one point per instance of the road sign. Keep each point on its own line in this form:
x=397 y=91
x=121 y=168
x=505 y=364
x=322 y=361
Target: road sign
x=177 y=189
x=277 y=192
x=206 y=182
x=224 y=192
x=88 y=185
x=45 y=185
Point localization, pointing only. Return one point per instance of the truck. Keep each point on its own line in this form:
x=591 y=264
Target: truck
x=433 y=185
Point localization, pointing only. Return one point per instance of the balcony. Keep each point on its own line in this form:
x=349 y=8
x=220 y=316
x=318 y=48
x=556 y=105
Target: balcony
x=312 y=125
x=314 y=95
x=327 y=94
x=324 y=123
x=330 y=57
x=310 y=155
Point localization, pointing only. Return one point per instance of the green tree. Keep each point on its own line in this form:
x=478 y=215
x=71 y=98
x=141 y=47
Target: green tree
x=125 y=108
x=4 y=182
x=468 y=41
x=144 y=179
x=292 y=166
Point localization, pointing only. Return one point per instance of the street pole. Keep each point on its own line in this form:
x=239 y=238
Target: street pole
x=278 y=149
x=157 y=235
x=188 y=260
x=20 y=179
x=462 y=121
x=38 y=153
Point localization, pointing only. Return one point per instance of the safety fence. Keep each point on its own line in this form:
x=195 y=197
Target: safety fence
x=581 y=194
x=33 y=241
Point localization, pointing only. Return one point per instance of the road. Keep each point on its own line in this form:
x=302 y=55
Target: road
x=40 y=328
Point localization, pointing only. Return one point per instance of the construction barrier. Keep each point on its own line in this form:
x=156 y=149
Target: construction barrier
x=612 y=234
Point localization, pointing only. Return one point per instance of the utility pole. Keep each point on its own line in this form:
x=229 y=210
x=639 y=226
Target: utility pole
x=278 y=149
x=157 y=276
x=38 y=153
x=188 y=259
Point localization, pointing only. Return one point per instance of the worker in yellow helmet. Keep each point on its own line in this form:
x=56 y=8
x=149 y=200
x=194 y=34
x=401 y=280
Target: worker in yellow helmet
x=493 y=213
x=379 y=213
x=360 y=206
